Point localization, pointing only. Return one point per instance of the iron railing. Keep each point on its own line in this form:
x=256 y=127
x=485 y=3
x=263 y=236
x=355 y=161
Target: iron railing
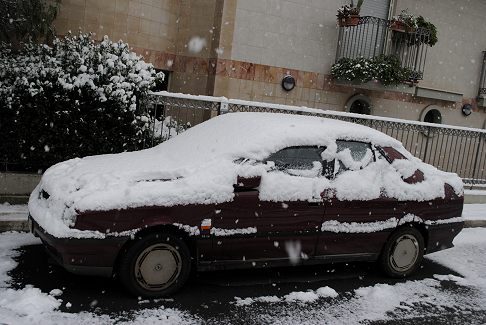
x=482 y=79
x=449 y=148
x=367 y=39
x=373 y=37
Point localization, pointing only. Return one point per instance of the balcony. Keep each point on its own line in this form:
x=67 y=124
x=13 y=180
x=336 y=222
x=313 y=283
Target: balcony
x=373 y=37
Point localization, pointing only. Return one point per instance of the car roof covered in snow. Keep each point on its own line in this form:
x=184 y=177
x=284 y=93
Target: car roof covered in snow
x=230 y=136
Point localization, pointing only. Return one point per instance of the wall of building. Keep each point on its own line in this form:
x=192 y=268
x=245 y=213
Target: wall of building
x=250 y=45
x=147 y=24
x=278 y=37
x=454 y=63
x=160 y=30
x=293 y=34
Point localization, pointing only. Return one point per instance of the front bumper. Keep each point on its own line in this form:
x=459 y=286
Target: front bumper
x=87 y=256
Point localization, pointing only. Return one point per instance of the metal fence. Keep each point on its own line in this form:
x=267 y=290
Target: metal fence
x=373 y=37
x=449 y=148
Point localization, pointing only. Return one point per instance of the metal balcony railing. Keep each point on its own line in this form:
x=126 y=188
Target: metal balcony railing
x=482 y=80
x=373 y=37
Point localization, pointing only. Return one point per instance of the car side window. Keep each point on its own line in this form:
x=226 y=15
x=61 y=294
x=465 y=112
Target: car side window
x=391 y=154
x=299 y=161
x=353 y=155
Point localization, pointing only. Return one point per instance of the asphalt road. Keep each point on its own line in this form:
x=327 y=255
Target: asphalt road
x=208 y=295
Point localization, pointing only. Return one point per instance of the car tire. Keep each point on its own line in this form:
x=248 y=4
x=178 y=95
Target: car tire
x=402 y=253
x=156 y=265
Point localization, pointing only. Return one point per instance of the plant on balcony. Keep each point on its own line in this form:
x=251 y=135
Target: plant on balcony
x=384 y=68
x=408 y=23
x=348 y=15
x=427 y=25
x=404 y=22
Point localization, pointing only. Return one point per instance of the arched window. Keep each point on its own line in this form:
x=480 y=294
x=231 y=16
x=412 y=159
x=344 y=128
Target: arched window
x=431 y=114
x=359 y=104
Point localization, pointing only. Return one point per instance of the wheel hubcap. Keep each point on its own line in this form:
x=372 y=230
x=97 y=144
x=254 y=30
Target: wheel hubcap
x=404 y=253
x=157 y=267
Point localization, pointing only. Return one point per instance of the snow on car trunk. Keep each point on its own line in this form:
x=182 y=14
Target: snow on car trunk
x=199 y=167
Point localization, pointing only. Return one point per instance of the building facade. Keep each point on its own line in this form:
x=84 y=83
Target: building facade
x=245 y=48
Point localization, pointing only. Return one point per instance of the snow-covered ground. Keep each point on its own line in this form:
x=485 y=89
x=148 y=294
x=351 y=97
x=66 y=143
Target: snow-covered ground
x=419 y=298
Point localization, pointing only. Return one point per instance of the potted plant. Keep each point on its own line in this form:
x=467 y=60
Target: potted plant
x=348 y=15
x=425 y=31
x=404 y=22
x=428 y=26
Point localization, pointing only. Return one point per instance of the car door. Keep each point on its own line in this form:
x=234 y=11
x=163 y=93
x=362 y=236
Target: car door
x=252 y=228
x=357 y=227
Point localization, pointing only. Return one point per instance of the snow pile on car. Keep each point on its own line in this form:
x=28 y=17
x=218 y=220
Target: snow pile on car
x=201 y=165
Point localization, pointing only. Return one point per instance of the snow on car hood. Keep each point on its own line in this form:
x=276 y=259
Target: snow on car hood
x=197 y=167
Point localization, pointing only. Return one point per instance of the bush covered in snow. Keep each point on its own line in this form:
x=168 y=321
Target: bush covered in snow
x=75 y=98
x=384 y=68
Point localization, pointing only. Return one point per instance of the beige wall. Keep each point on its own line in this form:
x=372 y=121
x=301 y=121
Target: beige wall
x=454 y=63
x=148 y=24
x=252 y=44
x=153 y=28
x=299 y=34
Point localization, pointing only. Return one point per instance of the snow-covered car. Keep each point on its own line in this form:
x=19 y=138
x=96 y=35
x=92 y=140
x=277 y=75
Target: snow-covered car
x=246 y=190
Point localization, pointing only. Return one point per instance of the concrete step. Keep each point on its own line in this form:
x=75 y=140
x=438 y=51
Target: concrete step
x=14 y=199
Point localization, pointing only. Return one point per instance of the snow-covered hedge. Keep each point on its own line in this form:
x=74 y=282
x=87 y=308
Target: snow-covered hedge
x=384 y=68
x=75 y=98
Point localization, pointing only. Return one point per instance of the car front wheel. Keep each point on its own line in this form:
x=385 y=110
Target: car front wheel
x=403 y=252
x=156 y=265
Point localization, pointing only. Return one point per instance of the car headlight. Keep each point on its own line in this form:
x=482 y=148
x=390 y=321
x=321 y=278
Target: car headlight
x=43 y=195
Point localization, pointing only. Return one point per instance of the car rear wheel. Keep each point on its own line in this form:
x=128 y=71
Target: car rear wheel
x=156 y=265
x=403 y=252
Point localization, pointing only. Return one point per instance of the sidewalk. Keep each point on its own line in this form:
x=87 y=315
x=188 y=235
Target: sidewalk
x=14 y=217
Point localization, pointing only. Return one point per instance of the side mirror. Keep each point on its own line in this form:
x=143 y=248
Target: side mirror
x=247 y=183
x=417 y=177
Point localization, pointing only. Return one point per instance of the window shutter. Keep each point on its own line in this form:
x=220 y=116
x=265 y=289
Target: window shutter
x=375 y=8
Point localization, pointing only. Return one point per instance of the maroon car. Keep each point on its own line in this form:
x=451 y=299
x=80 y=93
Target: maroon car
x=246 y=190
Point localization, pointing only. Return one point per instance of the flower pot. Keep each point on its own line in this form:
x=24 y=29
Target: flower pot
x=352 y=20
x=397 y=26
x=401 y=27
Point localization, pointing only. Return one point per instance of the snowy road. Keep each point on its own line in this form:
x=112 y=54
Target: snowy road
x=451 y=288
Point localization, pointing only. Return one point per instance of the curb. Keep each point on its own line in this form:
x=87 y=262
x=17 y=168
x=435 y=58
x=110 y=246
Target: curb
x=14 y=225
x=23 y=225
x=474 y=223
